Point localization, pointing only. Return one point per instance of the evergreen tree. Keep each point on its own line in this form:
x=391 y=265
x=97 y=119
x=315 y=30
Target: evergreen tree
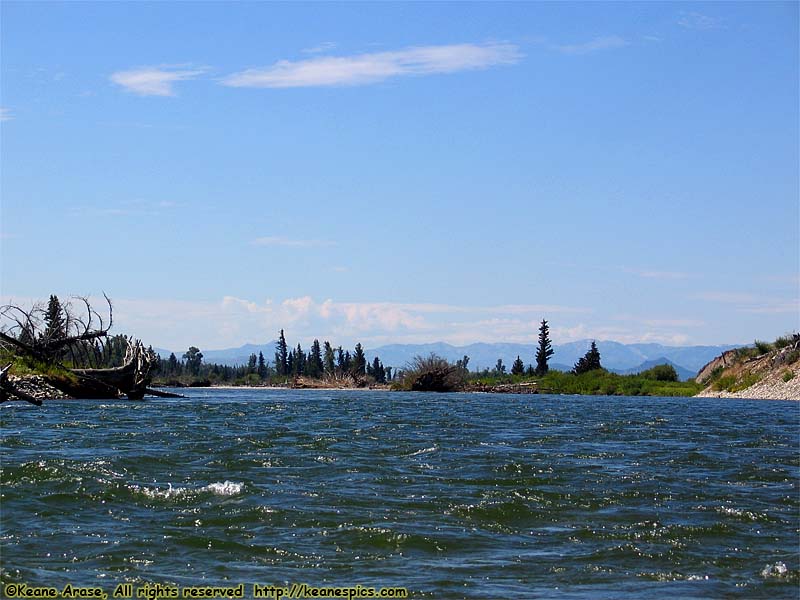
x=388 y=373
x=378 y=372
x=251 y=363
x=340 y=361
x=290 y=366
x=262 y=366
x=545 y=350
x=588 y=362
x=518 y=368
x=315 y=367
x=282 y=356
x=359 y=360
x=500 y=368
x=328 y=360
x=172 y=364
x=55 y=325
x=347 y=365
x=299 y=367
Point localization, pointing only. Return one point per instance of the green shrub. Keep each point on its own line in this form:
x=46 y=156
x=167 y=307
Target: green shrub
x=792 y=356
x=783 y=341
x=762 y=347
x=787 y=375
x=724 y=383
x=746 y=381
x=661 y=373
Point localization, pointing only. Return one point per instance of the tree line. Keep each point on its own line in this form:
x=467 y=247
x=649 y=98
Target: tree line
x=320 y=362
x=326 y=362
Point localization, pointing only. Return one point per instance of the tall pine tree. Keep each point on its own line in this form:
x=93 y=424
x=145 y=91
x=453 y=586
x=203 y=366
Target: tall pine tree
x=328 y=360
x=359 y=361
x=545 y=350
x=55 y=325
x=315 y=367
x=282 y=356
x=518 y=367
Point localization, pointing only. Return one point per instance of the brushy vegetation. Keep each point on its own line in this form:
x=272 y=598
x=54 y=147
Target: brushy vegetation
x=599 y=382
x=732 y=383
x=434 y=373
x=787 y=376
x=24 y=365
x=431 y=374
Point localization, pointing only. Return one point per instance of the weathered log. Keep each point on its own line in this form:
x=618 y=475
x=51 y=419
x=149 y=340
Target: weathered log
x=131 y=379
x=162 y=394
x=7 y=389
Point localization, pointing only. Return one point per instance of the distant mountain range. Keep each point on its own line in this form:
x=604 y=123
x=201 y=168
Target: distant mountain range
x=621 y=358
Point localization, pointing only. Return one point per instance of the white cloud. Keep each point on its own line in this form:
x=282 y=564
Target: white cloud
x=598 y=43
x=695 y=20
x=290 y=242
x=5 y=114
x=362 y=69
x=753 y=303
x=323 y=47
x=655 y=274
x=153 y=81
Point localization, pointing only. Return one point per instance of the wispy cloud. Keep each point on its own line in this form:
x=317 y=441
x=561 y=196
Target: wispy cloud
x=599 y=43
x=290 y=242
x=753 y=303
x=323 y=47
x=655 y=274
x=5 y=114
x=127 y=208
x=153 y=81
x=696 y=20
x=363 y=69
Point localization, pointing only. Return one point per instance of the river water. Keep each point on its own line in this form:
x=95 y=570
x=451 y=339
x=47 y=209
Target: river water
x=449 y=496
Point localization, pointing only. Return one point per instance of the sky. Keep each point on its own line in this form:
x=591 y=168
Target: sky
x=405 y=173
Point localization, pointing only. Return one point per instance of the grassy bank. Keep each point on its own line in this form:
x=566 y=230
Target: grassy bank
x=597 y=382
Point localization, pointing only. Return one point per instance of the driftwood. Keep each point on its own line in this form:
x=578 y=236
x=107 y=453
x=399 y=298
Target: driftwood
x=131 y=379
x=78 y=340
x=8 y=389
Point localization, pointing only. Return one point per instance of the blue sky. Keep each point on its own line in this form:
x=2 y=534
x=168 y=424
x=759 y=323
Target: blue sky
x=405 y=172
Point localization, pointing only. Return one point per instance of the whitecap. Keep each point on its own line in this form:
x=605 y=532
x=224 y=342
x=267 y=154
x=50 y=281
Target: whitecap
x=779 y=569
x=226 y=488
x=424 y=451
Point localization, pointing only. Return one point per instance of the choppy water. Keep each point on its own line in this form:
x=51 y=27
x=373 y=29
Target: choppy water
x=475 y=496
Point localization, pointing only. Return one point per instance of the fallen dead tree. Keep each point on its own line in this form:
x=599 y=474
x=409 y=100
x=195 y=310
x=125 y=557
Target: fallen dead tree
x=71 y=340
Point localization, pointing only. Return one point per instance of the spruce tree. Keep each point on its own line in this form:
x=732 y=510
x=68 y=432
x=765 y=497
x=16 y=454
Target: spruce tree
x=328 y=360
x=589 y=361
x=378 y=372
x=172 y=364
x=262 y=366
x=500 y=368
x=518 y=368
x=359 y=360
x=54 y=320
x=315 y=367
x=545 y=350
x=282 y=356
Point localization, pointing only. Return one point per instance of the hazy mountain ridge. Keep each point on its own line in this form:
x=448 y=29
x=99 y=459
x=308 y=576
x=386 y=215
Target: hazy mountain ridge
x=615 y=356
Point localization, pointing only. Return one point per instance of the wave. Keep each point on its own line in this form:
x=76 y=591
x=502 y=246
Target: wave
x=225 y=488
